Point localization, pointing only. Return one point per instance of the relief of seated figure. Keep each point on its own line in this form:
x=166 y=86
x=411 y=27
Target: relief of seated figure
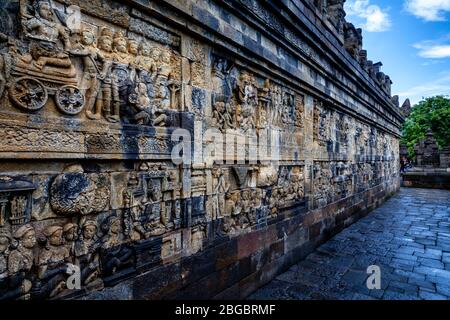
x=142 y=102
x=87 y=252
x=115 y=254
x=52 y=263
x=47 y=32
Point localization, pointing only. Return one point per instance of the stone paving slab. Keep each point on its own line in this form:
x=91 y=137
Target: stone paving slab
x=408 y=238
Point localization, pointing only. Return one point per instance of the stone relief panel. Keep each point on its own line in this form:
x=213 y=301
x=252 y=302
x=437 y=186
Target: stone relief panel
x=333 y=181
x=115 y=67
x=77 y=193
x=152 y=202
x=241 y=101
x=322 y=125
x=240 y=206
x=70 y=66
x=106 y=245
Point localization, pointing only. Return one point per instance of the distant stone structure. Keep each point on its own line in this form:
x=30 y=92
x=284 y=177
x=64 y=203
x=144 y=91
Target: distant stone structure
x=432 y=165
x=113 y=119
x=406 y=108
x=427 y=152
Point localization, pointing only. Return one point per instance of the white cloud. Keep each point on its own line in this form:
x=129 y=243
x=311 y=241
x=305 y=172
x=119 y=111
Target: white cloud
x=428 y=10
x=435 y=52
x=370 y=17
x=434 y=49
x=441 y=86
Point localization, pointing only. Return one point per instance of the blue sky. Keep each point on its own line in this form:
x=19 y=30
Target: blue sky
x=411 y=38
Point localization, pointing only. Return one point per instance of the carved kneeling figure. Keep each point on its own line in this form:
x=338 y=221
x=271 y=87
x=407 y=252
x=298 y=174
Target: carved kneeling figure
x=52 y=263
x=16 y=281
x=87 y=253
x=115 y=254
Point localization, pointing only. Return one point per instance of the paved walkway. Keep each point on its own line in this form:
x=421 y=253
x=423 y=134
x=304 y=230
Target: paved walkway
x=408 y=238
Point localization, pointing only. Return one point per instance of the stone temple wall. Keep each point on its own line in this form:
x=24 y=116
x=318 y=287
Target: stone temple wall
x=182 y=148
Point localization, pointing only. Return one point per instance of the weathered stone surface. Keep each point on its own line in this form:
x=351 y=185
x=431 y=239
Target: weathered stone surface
x=175 y=149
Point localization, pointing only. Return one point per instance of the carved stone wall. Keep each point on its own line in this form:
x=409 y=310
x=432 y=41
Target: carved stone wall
x=94 y=94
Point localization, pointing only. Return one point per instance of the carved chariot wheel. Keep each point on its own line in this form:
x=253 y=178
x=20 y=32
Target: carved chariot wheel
x=70 y=100
x=28 y=93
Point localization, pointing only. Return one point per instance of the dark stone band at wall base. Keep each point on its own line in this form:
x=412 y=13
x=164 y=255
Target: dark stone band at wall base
x=97 y=97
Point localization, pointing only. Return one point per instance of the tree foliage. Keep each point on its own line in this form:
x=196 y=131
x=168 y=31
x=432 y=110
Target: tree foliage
x=431 y=113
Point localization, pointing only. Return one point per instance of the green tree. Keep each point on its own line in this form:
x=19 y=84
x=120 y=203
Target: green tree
x=431 y=113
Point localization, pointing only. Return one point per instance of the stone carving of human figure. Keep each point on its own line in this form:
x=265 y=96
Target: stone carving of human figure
x=223 y=115
x=246 y=201
x=160 y=84
x=87 y=252
x=218 y=76
x=233 y=209
x=21 y=260
x=247 y=118
x=274 y=202
x=3 y=38
x=248 y=96
x=142 y=102
x=144 y=61
x=146 y=67
x=133 y=53
x=299 y=111
x=276 y=95
x=262 y=118
x=119 y=77
x=221 y=81
x=156 y=225
x=220 y=188
x=287 y=104
x=70 y=233
x=162 y=93
x=324 y=122
x=115 y=254
x=105 y=44
x=120 y=48
x=93 y=74
x=165 y=68
x=52 y=262
x=134 y=228
x=295 y=187
x=155 y=54
x=5 y=240
x=133 y=48
x=46 y=29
